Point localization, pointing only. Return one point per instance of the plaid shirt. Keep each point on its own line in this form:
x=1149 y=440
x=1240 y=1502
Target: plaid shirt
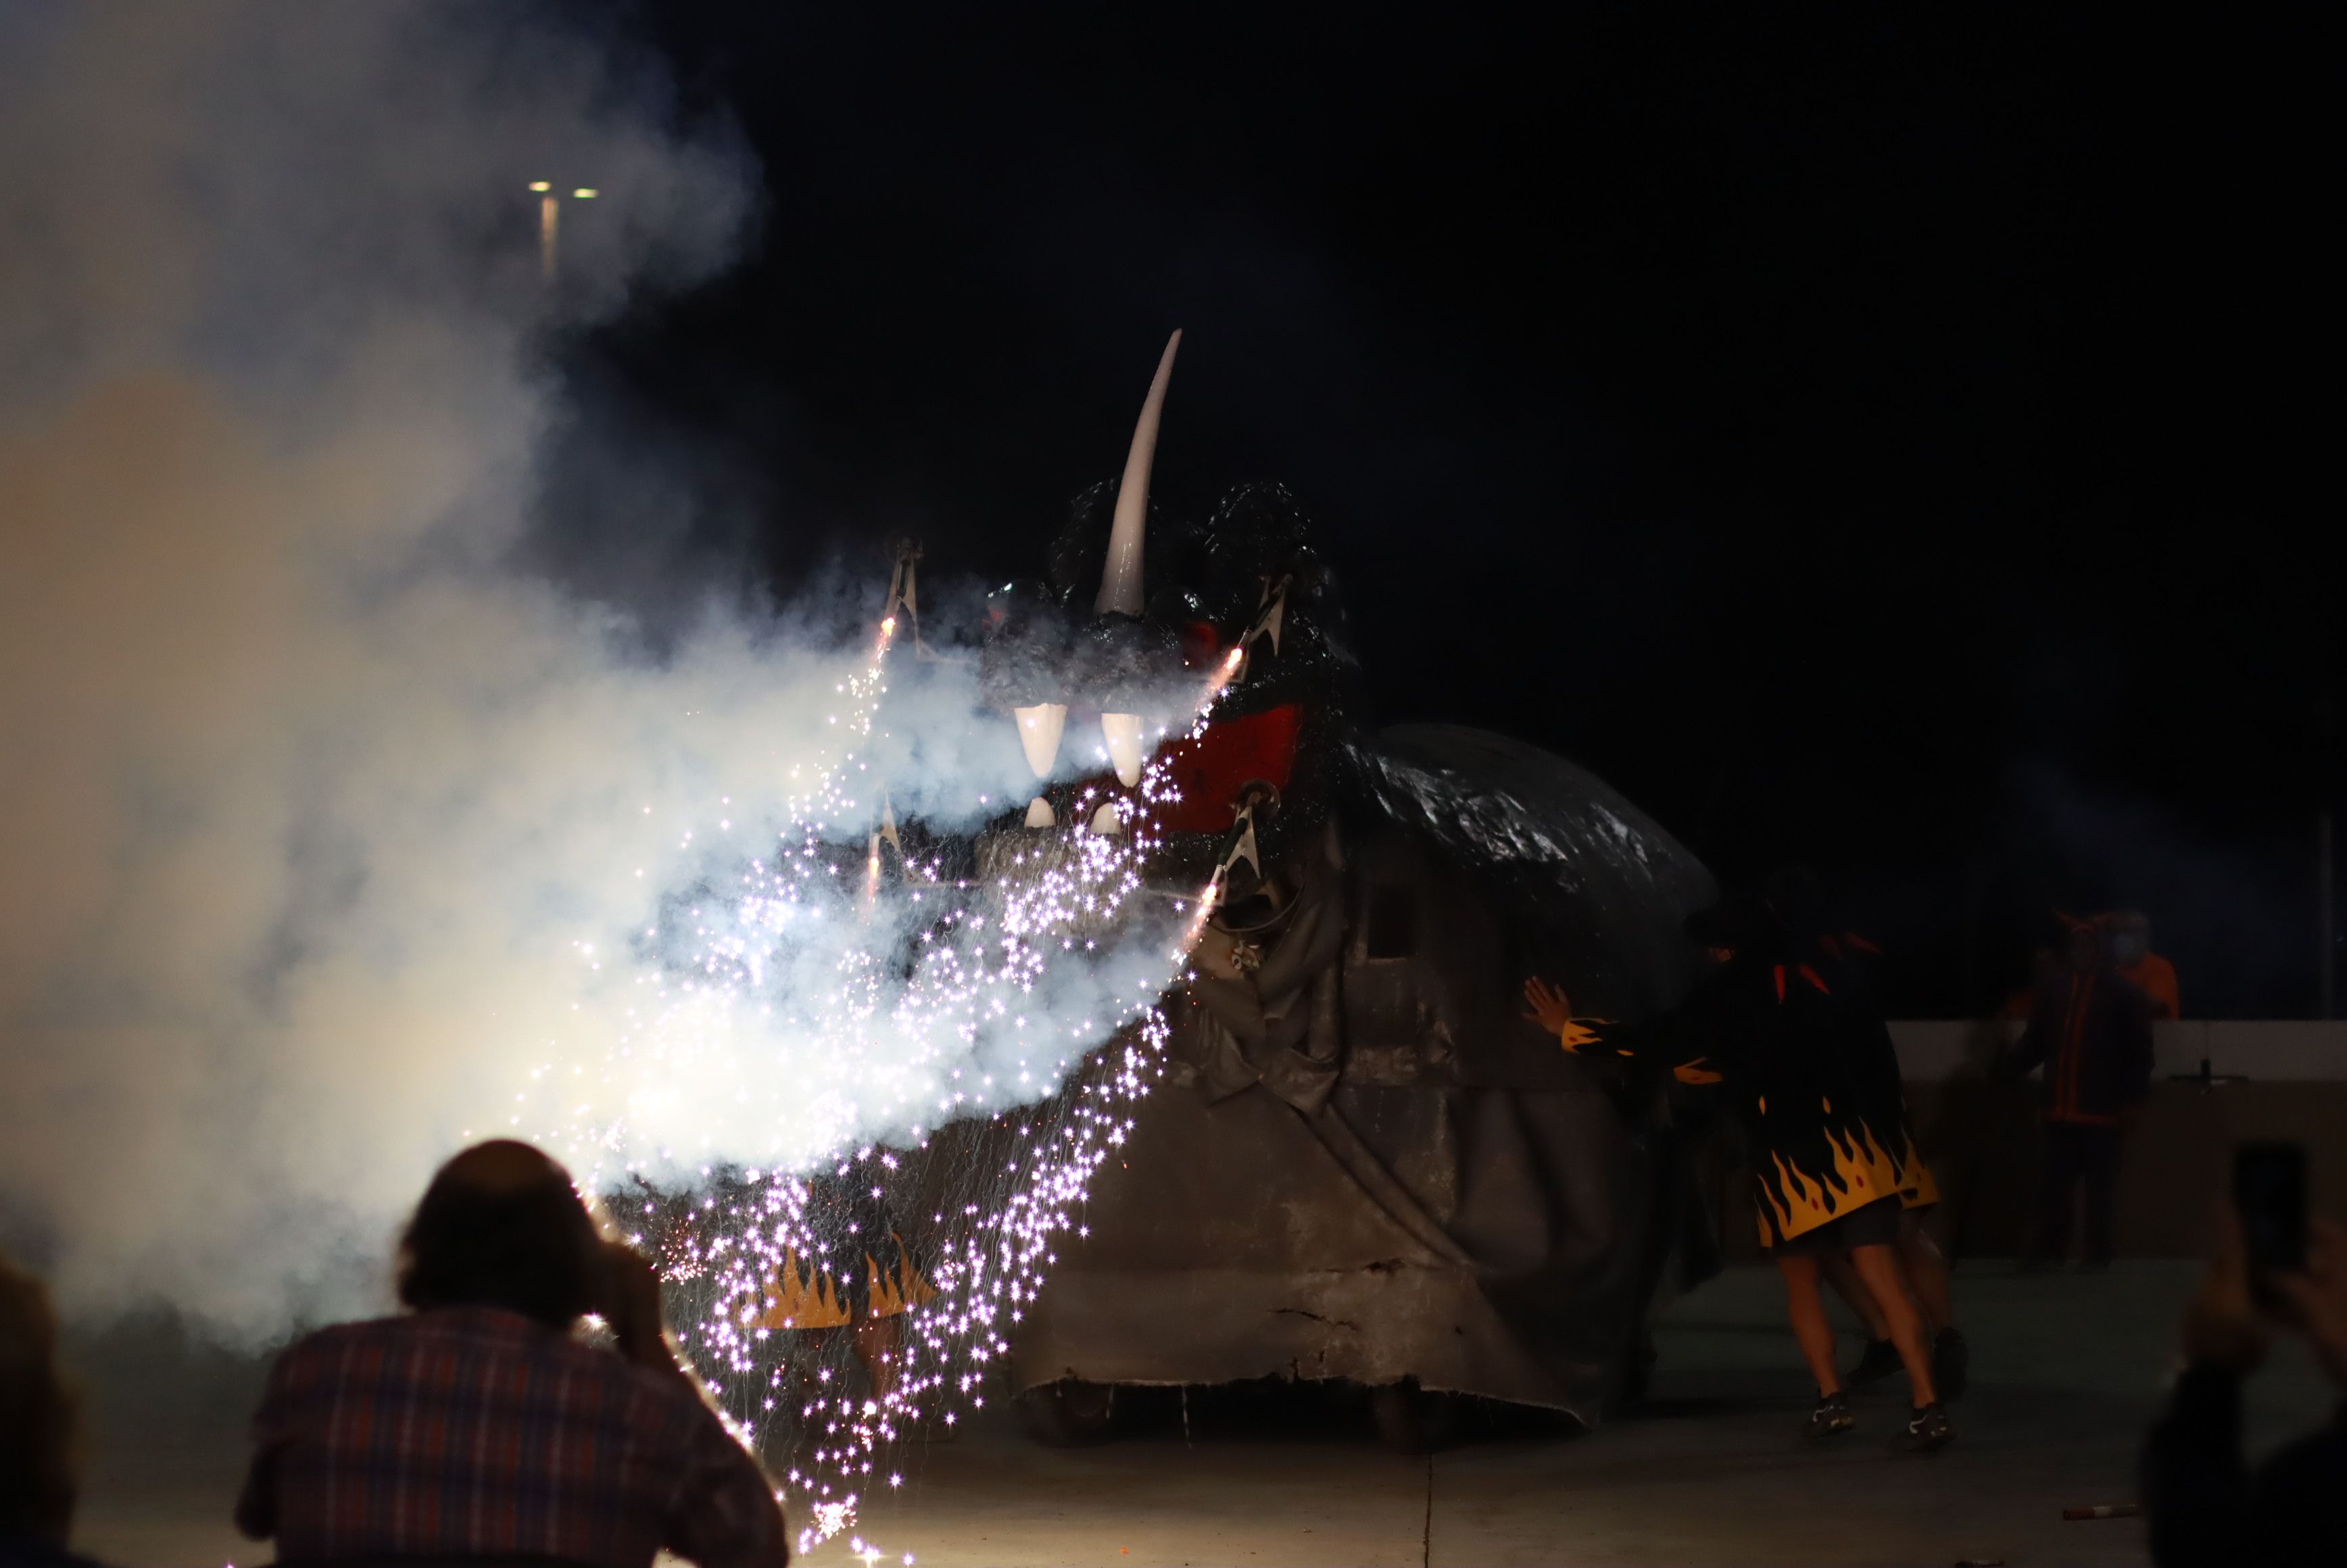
x=472 y=1432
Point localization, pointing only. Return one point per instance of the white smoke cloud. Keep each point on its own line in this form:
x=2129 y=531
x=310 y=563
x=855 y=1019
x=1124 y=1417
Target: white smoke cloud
x=308 y=805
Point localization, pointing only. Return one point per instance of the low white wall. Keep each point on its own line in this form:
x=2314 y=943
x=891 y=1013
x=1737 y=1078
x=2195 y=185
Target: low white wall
x=2258 y=1049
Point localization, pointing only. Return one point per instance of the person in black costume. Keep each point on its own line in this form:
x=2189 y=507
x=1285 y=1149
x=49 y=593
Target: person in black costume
x=2203 y=1505
x=1829 y=1155
x=1847 y=961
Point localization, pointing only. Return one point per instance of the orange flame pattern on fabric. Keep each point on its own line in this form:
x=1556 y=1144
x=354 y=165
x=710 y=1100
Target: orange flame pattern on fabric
x=899 y=1289
x=1918 y=1190
x=802 y=1298
x=1791 y=1202
x=1577 y=1034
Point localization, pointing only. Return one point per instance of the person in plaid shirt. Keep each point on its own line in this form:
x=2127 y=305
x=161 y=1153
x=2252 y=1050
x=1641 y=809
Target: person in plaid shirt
x=475 y=1426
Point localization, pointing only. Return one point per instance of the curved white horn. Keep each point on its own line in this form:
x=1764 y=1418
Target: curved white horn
x=1119 y=587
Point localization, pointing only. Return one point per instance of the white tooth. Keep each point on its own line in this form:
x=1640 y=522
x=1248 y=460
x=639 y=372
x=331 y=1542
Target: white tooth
x=1040 y=728
x=1106 y=821
x=1039 y=813
x=1124 y=732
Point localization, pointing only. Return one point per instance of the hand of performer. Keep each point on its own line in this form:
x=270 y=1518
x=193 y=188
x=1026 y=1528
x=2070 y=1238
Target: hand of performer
x=2317 y=1299
x=2222 y=1327
x=1550 y=1009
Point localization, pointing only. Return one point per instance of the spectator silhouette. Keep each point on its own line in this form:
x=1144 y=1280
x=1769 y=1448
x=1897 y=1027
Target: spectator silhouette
x=37 y=1431
x=2091 y=1031
x=2203 y=1504
x=475 y=1428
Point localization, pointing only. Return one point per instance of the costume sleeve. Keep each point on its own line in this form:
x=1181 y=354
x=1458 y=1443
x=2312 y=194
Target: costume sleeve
x=2196 y=1491
x=1666 y=1041
x=726 y=1513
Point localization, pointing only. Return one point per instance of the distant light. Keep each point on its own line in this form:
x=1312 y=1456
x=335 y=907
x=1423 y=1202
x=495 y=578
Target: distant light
x=584 y=193
x=541 y=185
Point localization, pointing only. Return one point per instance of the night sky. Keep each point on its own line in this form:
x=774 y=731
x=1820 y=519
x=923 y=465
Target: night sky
x=1885 y=437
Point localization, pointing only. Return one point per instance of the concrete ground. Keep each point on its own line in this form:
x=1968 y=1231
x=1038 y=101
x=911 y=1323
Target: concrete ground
x=2067 y=1370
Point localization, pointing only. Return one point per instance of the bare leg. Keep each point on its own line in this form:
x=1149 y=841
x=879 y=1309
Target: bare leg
x=1927 y=1273
x=1878 y=1266
x=1807 y=1309
x=1846 y=1285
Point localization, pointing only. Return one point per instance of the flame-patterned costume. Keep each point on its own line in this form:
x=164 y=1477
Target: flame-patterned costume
x=865 y=1270
x=857 y=1266
x=801 y=1296
x=1846 y=961
x=1828 y=1130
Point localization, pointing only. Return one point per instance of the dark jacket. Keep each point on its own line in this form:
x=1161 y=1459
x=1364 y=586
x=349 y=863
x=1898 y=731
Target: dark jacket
x=1847 y=961
x=2205 y=1508
x=2092 y=1032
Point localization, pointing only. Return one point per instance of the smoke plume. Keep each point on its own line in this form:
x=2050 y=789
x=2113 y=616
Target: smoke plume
x=318 y=816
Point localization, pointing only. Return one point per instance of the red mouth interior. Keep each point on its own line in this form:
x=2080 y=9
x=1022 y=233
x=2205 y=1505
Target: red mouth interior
x=1212 y=769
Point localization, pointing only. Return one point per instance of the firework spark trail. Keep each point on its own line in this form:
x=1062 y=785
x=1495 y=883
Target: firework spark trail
x=746 y=1242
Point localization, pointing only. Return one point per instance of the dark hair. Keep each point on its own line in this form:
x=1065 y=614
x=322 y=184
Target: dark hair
x=37 y=1415
x=529 y=1248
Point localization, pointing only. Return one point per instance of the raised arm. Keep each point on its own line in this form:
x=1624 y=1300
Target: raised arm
x=630 y=1301
x=256 y=1505
x=727 y=1513
x=1665 y=1040
x=2195 y=1488
x=256 y=1502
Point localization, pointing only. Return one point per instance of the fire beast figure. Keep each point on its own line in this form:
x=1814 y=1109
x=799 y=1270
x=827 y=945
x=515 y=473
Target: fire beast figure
x=1364 y=1162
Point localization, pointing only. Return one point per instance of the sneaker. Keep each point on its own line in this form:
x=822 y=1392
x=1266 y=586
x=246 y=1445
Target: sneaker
x=1831 y=1419
x=1880 y=1359
x=1951 y=1363
x=1929 y=1429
